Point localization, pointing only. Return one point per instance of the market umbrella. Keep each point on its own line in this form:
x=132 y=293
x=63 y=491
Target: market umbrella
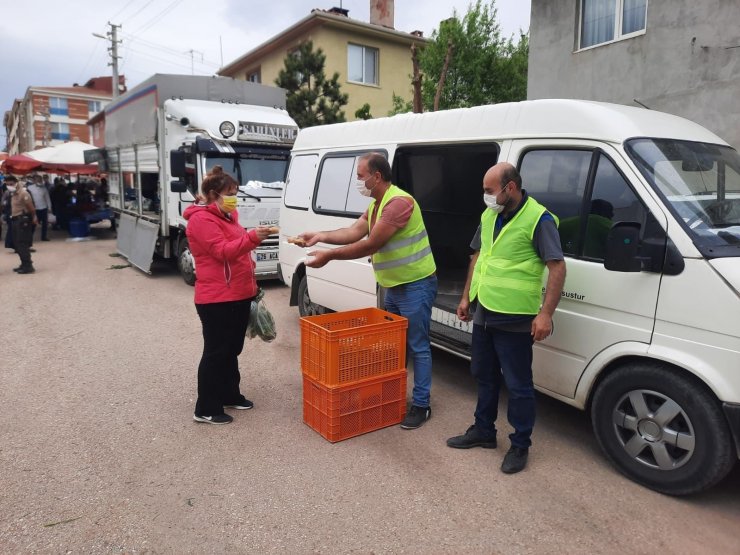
x=66 y=157
x=20 y=163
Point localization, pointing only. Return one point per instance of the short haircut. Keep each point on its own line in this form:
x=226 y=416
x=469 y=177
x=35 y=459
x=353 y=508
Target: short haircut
x=510 y=173
x=376 y=162
x=11 y=178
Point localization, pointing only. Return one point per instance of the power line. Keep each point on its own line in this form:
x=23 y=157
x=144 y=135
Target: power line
x=129 y=18
x=130 y=38
x=119 y=12
x=156 y=18
x=148 y=55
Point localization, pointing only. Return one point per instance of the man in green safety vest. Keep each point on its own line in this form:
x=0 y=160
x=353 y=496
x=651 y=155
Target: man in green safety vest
x=392 y=232
x=516 y=239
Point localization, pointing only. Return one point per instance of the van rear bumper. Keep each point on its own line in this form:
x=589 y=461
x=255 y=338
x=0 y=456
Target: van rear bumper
x=732 y=412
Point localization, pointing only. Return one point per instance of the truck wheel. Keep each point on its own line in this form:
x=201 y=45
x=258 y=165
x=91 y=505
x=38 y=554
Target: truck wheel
x=305 y=306
x=186 y=262
x=661 y=429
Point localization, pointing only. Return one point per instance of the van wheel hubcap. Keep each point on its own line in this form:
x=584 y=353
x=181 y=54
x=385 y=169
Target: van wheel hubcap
x=653 y=429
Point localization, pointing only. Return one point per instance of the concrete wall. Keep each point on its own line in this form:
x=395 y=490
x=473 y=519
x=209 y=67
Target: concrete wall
x=394 y=73
x=687 y=63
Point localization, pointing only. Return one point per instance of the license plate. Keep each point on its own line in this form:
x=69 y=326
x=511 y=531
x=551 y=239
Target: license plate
x=267 y=256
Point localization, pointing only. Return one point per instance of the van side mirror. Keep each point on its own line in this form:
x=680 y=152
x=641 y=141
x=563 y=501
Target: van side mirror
x=622 y=244
x=178 y=186
x=177 y=163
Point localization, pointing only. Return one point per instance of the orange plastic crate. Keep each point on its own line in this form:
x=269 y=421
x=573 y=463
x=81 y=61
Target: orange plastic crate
x=346 y=411
x=344 y=347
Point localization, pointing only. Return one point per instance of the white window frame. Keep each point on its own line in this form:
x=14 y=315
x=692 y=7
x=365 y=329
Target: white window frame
x=94 y=103
x=254 y=76
x=61 y=131
x=58 y=106
x=377 y=64
x=618 y=36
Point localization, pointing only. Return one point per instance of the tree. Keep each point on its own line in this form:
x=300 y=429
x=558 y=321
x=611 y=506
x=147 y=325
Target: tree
x=400 y=105
x=482 y=66
x=363 y=112
x=312 y=98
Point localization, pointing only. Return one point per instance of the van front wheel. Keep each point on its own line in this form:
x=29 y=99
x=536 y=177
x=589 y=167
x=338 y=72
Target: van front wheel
x=305 y=306
x=661 y=429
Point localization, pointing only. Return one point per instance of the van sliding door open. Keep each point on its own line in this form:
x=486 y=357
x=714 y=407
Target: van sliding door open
x=447 y=181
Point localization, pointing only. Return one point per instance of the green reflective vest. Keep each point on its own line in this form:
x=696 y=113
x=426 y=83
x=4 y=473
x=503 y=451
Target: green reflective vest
x=407 y=256
x=508 y=274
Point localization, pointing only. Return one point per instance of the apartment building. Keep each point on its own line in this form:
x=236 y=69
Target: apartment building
x=46 y=116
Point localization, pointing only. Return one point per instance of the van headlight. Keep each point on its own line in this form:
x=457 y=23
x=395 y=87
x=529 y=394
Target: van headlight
x=227 y=129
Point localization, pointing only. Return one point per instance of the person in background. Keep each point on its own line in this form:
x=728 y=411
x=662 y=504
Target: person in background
x=517 y=238
x=42 y=202
x=23 y=218
x=224 y=289
x=392 y=231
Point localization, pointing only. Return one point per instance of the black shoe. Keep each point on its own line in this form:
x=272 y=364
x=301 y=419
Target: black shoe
x=416 y=417
x=246 y=404
x=32 y=250
x=515 y=460
x=472 y=438
x=215 y=419
x=18 y=269
x=26 y=270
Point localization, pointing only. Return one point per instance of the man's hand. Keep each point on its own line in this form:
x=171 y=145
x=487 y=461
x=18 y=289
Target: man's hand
x=463 y=310
x=541 y=327
x=310 y=238
x=318 y=259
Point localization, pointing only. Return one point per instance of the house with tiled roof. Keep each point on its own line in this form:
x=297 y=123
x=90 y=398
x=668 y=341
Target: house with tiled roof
x=46 y=116
x=373 y=58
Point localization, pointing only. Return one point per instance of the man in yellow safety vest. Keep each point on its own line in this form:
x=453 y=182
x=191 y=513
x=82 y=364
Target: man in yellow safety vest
x=392 y=232
x=517 y=238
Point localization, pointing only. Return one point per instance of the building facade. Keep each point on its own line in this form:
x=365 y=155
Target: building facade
x=46 y=116
x=675 y=56
x=373 y=59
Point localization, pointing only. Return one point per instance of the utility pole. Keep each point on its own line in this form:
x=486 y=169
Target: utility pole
x=114 y=42
x=192 y=59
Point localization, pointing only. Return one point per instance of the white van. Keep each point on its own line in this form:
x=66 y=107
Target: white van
x=647 y=333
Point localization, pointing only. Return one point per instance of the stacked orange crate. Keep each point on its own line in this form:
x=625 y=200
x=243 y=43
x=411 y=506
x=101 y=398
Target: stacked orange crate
x=354 y=375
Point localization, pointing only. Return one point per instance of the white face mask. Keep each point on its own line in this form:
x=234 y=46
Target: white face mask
x=11 y=189
x=490 y=201
x=362 y=187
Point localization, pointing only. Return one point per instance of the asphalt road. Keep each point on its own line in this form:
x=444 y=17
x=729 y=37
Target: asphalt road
x=99 y=453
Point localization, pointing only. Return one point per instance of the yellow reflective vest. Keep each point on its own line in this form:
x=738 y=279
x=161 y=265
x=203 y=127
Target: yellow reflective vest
x=407 y=256
x=508 y=274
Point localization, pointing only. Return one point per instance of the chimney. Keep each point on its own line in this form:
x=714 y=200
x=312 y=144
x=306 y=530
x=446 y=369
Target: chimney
x=338 y=11
x=381 y=13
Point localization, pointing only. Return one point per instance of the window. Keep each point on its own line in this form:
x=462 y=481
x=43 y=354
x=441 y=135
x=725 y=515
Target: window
x=587 y=207
x=58 y=106
x=60 y=131
x=608 y=20
x=301 y=179
x=94 y=106
x=254 y=76
x=334 y=183
x=362 y=64
x=557 y=179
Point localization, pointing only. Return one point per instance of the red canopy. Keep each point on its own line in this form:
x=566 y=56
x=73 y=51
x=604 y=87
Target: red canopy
x=20 y=163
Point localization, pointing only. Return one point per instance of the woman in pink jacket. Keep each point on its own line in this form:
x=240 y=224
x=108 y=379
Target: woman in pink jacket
x=224 y=289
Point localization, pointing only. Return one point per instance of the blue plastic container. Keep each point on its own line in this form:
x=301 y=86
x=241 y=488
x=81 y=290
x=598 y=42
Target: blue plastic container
x=79 y=228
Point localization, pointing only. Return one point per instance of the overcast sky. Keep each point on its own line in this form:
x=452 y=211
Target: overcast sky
x=56 y=48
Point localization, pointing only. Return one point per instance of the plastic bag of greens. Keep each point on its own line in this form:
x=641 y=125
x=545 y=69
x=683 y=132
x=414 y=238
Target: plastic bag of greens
x=261 y=323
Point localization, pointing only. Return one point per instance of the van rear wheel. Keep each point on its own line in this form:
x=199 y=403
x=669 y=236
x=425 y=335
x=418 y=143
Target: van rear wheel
x=662 y=429
x=305 y=306
x=186 y=262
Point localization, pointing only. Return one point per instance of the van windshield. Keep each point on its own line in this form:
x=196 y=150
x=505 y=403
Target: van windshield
x=700 y=183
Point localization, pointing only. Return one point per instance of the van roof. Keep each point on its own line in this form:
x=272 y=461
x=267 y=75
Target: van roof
x=553 y=118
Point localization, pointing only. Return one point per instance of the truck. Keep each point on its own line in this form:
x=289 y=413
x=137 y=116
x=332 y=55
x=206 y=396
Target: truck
x=164 y=135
